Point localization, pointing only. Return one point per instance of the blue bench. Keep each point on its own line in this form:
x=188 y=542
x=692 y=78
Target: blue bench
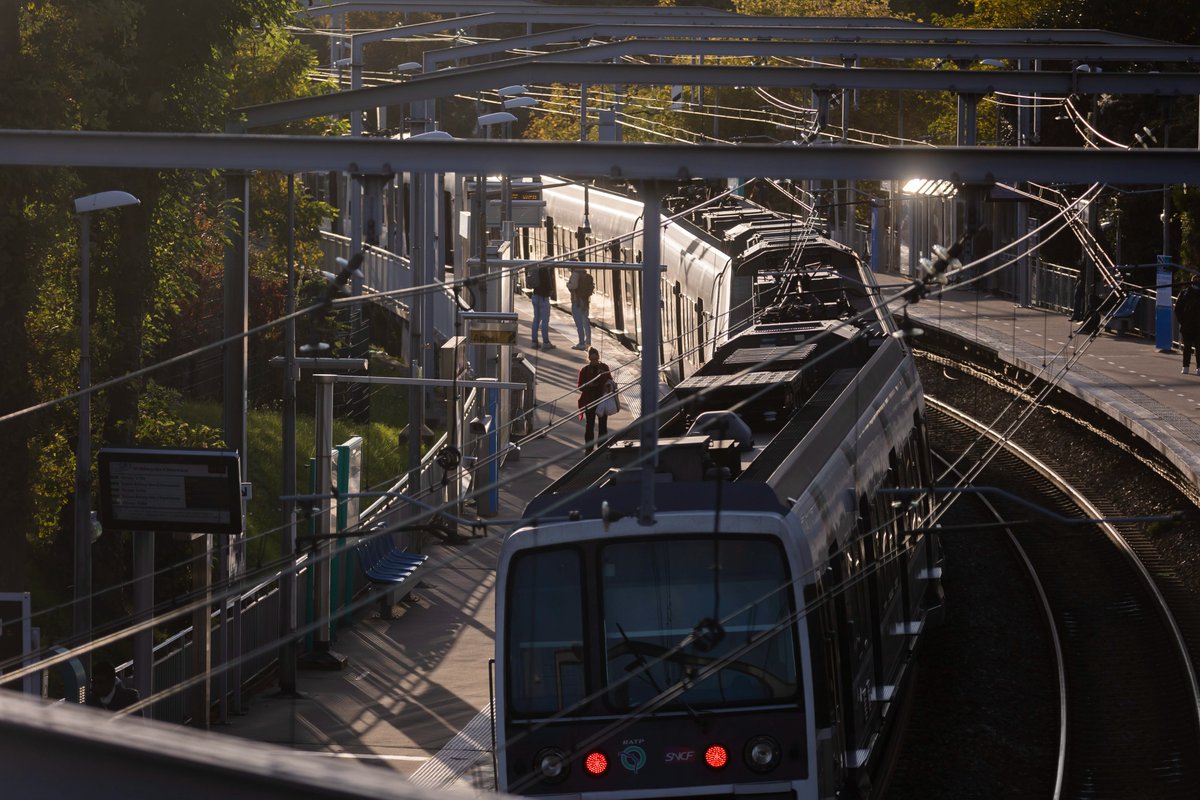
x=388 y=566
x=1123 y=319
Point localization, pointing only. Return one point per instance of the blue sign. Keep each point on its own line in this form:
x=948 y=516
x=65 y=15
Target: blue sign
x=1164 y=323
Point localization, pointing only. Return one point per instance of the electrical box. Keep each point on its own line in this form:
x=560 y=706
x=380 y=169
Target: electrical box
x=452 y=358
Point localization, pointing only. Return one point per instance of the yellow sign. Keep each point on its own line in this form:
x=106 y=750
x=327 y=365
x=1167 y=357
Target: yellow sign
x=493 y=333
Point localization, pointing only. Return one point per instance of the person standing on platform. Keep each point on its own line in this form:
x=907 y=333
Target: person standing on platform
x=1187 y=312
x=543 y=290
x=594 y=378
x=581 y=285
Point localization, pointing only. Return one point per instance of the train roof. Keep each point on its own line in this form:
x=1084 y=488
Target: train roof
x=784 y=382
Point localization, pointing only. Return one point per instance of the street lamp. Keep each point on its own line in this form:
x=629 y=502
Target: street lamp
x=486 y=123
x=82 y=609
x=520 y=102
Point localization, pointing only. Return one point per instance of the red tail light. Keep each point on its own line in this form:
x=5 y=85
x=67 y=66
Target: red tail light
x=596 y=763
x=716 y=756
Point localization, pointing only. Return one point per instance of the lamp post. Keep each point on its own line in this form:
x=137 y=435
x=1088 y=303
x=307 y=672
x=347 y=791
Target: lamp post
x=82 y=608
x=511 y=104
x=489 y=295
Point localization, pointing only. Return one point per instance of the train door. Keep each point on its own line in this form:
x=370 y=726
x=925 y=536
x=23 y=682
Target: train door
x=908 y=565
x=852 y=607
x=632 y=280
x=879 y=534
x=680 y=356
x=828 y=705
x=617 y=256
x=701 y=331
x=923 y=585
x=549 y=240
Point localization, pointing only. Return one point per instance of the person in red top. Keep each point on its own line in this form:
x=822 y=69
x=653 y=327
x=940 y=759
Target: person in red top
x=593 y=378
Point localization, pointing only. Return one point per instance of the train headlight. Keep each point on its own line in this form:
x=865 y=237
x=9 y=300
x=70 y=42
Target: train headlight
x=551 y=765
x=596 y=763
x=716 y=756
x=762 y=754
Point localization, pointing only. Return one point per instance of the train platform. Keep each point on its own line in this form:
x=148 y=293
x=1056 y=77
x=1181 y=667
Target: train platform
x=414 y=694
x=1123 y=375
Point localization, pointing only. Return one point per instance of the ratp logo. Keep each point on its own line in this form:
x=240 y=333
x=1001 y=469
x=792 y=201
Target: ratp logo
x=633 y=758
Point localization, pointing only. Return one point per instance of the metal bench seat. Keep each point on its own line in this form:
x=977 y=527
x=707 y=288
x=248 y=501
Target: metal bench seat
x=385 y=564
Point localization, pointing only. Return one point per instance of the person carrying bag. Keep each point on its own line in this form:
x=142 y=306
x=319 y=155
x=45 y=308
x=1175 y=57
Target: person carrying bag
x=596 y=386
x=610 y=403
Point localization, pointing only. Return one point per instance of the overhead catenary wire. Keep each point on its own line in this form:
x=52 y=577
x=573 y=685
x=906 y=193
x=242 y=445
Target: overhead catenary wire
x=303 y=312
x=661 y=411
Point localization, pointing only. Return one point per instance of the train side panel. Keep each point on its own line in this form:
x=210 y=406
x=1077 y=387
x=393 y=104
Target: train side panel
x=698 y=286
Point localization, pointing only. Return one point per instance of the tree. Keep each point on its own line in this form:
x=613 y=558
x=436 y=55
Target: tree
x=814 y=8
x=101 y=65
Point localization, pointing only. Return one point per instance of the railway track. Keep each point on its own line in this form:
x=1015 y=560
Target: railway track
x=1129 y=723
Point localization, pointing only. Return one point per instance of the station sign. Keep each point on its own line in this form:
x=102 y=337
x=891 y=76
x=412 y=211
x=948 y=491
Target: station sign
x=184 y=491
x=502 y=332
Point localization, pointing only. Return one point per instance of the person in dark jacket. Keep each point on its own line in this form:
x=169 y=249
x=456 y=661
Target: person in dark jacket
x=581 y=286
x=543 y=290
x=593 y=379
x=1187 y=312
x=108 y=692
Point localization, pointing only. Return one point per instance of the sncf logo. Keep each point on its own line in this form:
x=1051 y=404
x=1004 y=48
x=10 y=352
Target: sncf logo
x=680 y=755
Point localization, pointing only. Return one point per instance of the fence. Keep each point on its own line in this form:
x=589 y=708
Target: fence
x=259 y=629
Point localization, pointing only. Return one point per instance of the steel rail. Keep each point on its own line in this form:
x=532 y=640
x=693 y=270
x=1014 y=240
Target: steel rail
x=1043 y=597
x=1110 y=531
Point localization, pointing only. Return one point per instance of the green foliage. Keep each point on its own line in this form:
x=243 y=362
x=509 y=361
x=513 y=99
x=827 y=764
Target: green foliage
x=162 y=424
x=121 y=65
x=813 y=8
x=1001 y=14
x=270 y=65
x=51 y=481
x=1187 y=200
x=383 y=459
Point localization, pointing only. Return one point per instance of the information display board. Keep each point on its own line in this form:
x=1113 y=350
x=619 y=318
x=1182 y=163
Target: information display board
x=188 y=491
x=492 y=332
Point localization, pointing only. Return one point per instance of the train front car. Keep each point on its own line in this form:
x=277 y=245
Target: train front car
x=757 y=637
x=630 y=665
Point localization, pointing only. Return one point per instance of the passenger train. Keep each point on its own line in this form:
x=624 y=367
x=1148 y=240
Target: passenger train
x=754 y=633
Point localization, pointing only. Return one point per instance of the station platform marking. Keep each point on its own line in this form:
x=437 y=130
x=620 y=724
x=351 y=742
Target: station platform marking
x=468 y=747
x=367 y=756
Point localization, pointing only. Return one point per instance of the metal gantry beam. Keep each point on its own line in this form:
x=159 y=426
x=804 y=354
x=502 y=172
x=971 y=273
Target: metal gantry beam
x=470 y=79
x=591 y=159
x=747 y=40
x=850 y=51
x=483 y=7
x=846 y=28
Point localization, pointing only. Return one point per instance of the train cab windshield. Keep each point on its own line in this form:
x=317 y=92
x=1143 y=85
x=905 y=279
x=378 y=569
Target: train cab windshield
x=683 y=623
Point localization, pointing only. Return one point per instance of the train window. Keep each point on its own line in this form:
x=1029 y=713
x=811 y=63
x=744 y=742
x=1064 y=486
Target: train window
x=545 y=632
x=655 y=594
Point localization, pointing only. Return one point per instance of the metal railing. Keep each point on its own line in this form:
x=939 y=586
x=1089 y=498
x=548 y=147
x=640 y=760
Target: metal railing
x=259 y=620
x=260 y=614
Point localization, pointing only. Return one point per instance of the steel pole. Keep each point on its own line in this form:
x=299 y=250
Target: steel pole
x=143 y=605
x=287 y=580
x=325 y=513
x=82 y=615
x=651 y=302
